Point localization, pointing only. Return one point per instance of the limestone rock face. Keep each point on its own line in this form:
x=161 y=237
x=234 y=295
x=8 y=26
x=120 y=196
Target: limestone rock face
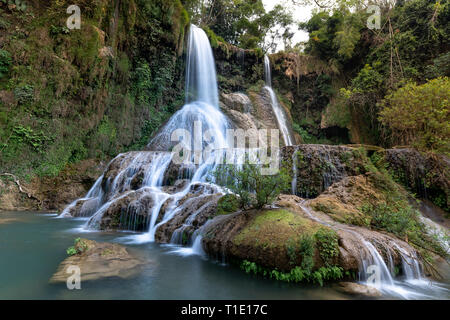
x=100 y=260
x=426 y=175
x=319 y=166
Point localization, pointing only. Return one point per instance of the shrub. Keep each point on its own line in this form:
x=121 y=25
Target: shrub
x=24 y=94
x=327 y=243
x=254 y=190
x=79 y=246
x=420 y=114
x=5 y=62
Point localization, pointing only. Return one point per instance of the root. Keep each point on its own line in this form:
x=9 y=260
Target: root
x=21 y=189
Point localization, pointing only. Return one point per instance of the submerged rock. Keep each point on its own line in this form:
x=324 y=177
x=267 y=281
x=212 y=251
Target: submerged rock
x=353 y=288
x=98 y=260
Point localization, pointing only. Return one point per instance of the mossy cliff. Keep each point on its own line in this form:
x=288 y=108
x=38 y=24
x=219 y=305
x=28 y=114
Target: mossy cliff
x=70 y=95
x=74 y=94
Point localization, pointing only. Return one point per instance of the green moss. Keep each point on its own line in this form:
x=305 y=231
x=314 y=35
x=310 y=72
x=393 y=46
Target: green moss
x=279 y=224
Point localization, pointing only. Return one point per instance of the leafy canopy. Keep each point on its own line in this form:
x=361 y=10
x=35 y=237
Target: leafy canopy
x=421 y=114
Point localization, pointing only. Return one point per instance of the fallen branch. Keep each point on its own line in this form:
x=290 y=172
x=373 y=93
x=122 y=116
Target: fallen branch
x=16 y=180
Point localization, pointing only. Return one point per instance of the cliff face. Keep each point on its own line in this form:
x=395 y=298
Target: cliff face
x=74 y=94
x=71 y=95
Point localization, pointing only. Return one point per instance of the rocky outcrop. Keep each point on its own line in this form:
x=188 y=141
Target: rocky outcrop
x=252 y=111
x=49 y=193
x=316 y=167
x=270 y=238
x=99 y=260
x=262 y=237
x=424 y=174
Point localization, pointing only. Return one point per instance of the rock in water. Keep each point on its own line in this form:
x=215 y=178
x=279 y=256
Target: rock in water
x=99 y=260
x=358 y=289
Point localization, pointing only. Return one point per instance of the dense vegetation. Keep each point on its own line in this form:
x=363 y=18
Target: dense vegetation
x=364 y=66
x=67 y=95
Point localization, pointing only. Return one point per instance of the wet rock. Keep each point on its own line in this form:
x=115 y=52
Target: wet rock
x=426 y=175
x=199 y=204
x=353 y=288
x=260 y=236
x=319 y=166
x=98 y=260
x=129 y=211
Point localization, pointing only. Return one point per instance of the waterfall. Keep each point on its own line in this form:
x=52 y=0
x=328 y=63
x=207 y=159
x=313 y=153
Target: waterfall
x=133 y=183
x=277 y=109
x=201 y=82
x=200 y=115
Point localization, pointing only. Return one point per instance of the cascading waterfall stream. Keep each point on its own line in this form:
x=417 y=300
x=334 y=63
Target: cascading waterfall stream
x=199 y=119
x=152 y=204
x=277 y=109
x=370 y=256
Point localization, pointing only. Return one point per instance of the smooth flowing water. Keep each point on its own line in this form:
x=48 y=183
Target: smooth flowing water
x=33 y=244
x=277 y=109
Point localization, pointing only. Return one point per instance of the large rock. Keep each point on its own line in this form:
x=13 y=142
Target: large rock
x=316 y=167
x=268 y=237
x=260 y=236
x=98 y=260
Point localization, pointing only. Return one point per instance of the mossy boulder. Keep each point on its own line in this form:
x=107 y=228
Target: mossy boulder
x=269 y=238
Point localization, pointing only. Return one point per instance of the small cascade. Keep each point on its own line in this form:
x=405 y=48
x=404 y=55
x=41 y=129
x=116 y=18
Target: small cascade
x=410 y=265
x=374 y=271
x=294 y=172
x=89 y=204
x=277 y=109
x=374 y=259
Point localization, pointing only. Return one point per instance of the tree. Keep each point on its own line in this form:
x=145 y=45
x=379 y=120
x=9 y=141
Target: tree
x=420 y=115
x=254 y=190
x=244 y=23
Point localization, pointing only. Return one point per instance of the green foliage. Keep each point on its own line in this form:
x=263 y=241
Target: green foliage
x=71 y=251
x=296 y=274
x=79 y=247
x=5 y=63
x=28 y=136
x=24 y=94
x=254 y=189
x=327 y=244
x=19 y=5
x=229 y=203
x=393 y=218
x=420 y=114
x=306 y=250
x=243 y=23
x=213 y=38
